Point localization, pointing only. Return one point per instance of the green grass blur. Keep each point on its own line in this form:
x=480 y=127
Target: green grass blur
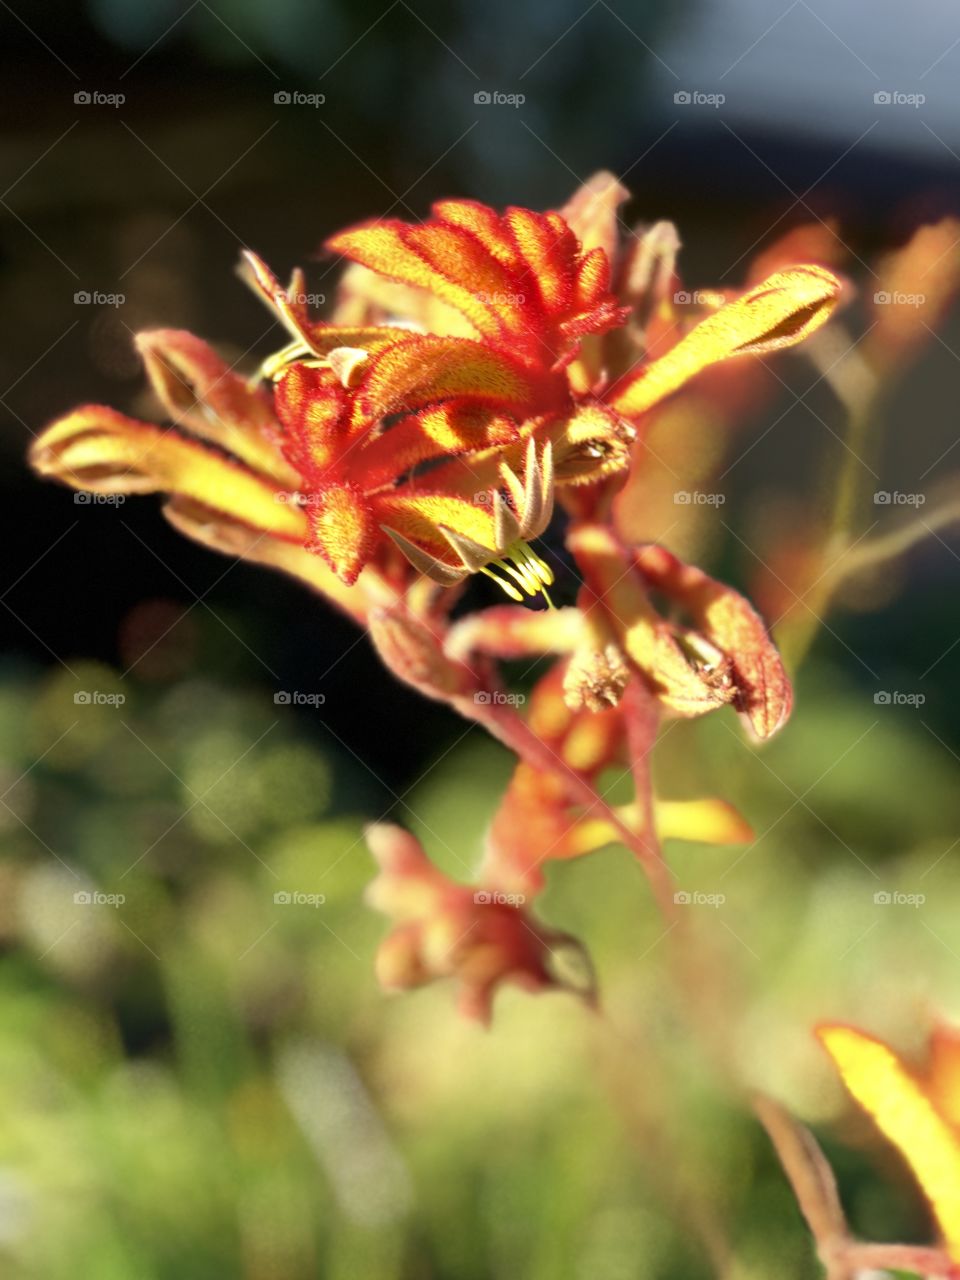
x=203 y=1081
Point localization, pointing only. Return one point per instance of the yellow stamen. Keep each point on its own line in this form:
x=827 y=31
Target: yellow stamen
x=528 y=569
x=522 y=571
x=505 y=586
x=274 y=365
x=535 y=564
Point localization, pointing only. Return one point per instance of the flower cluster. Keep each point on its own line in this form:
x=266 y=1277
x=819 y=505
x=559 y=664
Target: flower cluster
x=482 y=375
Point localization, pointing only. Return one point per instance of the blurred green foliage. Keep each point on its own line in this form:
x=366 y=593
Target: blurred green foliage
x=202 y=1080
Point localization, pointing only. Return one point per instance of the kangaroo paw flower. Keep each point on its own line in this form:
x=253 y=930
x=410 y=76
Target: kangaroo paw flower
x=481 y=937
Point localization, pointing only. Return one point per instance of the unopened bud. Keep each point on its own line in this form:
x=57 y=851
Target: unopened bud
x=415 y=654
x=347 y=363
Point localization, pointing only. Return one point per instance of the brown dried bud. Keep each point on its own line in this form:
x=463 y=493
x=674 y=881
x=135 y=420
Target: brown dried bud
x=596 y=678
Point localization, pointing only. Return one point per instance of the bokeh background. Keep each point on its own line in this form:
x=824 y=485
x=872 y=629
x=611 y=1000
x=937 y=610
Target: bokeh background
x=198 y=1081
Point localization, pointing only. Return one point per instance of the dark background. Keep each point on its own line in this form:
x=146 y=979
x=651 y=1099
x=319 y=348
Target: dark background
x=154 y=199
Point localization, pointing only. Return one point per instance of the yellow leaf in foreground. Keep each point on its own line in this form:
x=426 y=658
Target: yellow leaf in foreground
x=905 y=1114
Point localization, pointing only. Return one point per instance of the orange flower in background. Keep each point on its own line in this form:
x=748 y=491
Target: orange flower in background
x=542 y=818
x=919 y=1112
x=480 y=937
x=553 y=809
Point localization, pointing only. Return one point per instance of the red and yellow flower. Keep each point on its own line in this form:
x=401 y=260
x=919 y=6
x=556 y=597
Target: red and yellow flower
x=476 y=333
